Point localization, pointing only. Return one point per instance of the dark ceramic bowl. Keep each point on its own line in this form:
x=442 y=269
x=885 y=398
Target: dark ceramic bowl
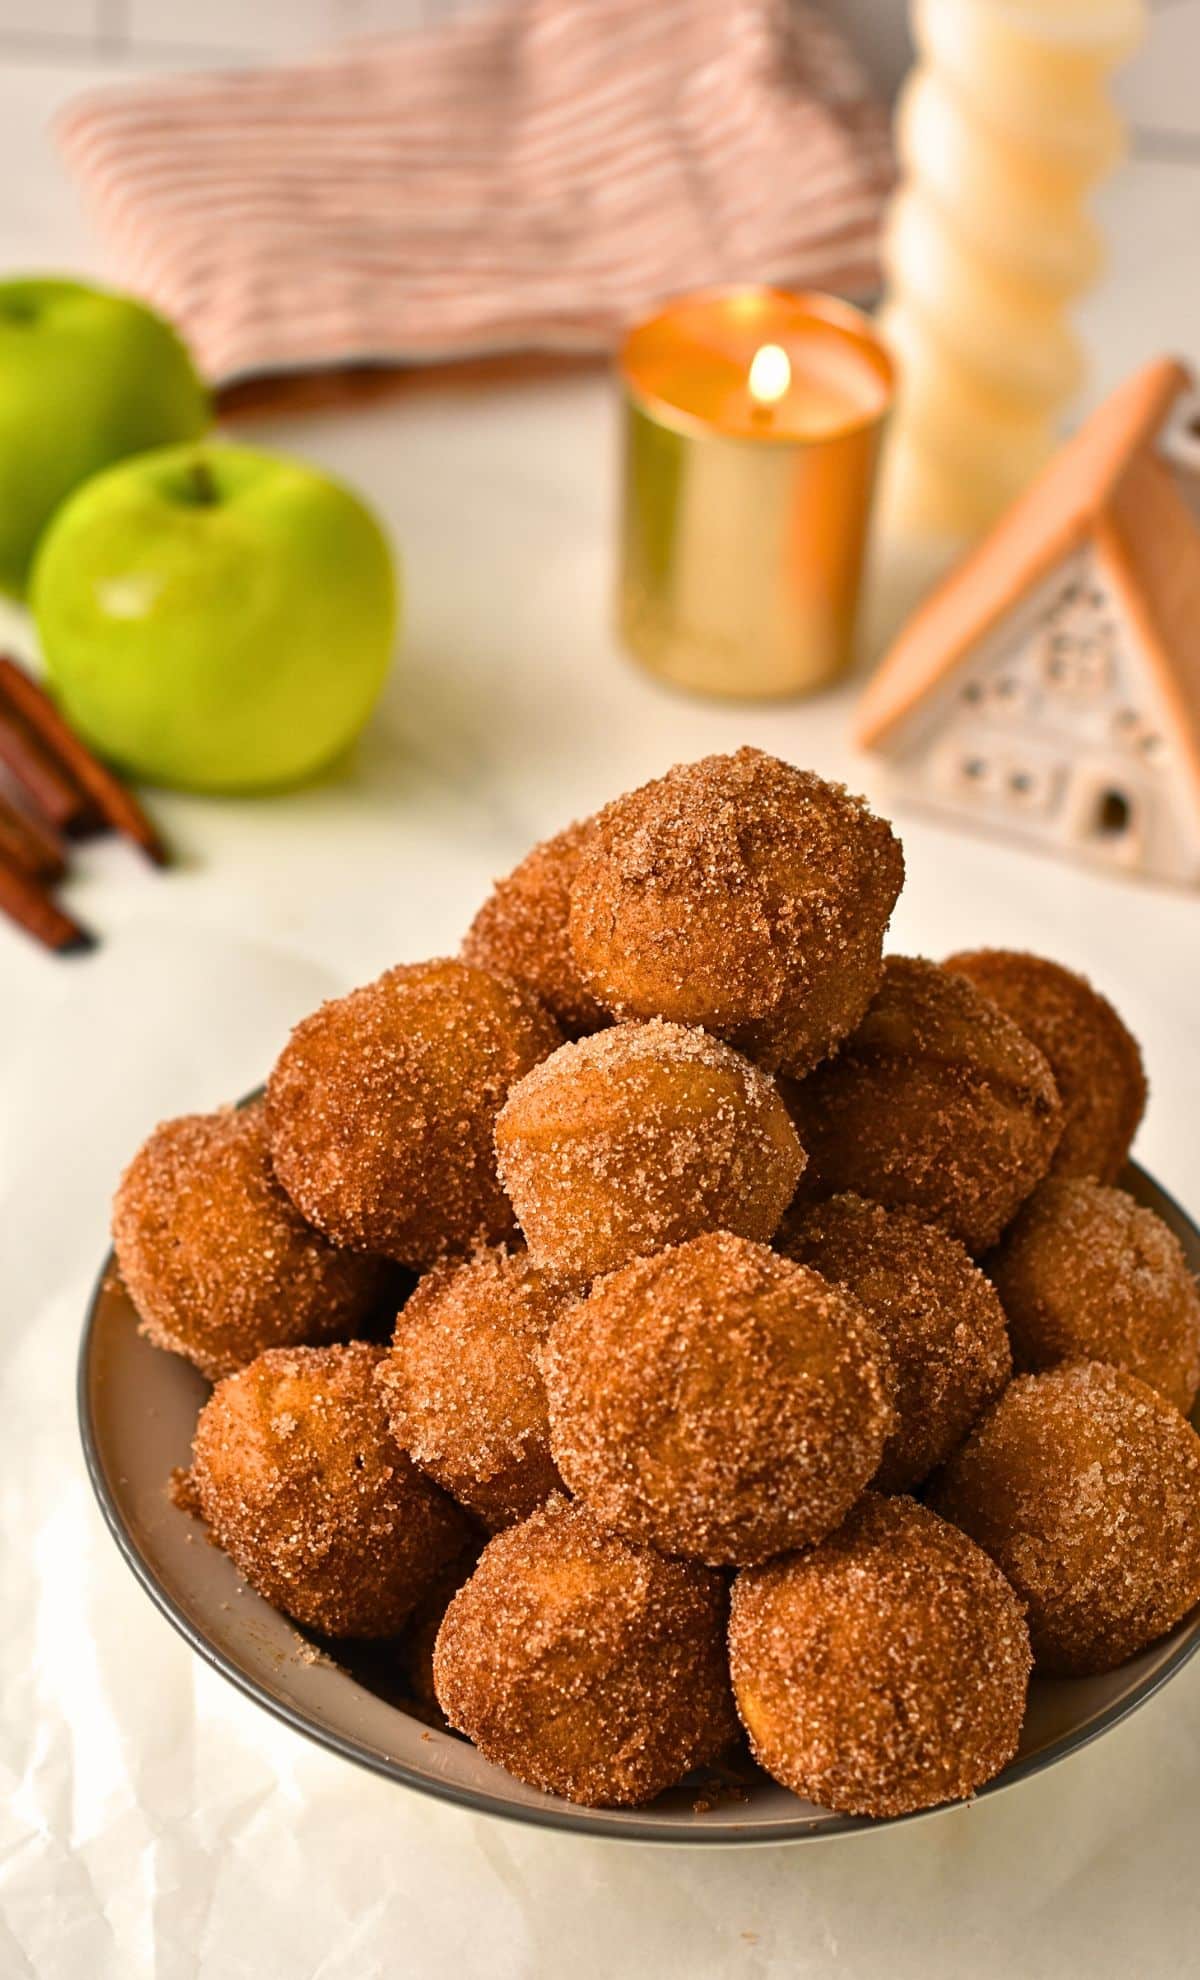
x=137 y=1410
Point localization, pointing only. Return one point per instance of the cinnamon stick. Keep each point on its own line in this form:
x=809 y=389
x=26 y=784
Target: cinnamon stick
x=48 y=784
x=104 y=791
x=29 y=846
x=26 y=902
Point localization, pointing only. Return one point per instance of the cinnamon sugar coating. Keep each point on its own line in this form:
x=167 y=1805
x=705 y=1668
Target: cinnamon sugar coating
x=1086 y=1273
x=1095 y=1060
x=937 y=1101
x=742 y=1067
x=302 y=1483
x=640 y=1137
x=884 y=1671
x=217 y=1259
x=940 y=1318
x=382 y=1105
x=1083 y=1485
x=587 y=1667
x=462 y=1387
x=717 y=1401
x=521 y=931
x=742 y=895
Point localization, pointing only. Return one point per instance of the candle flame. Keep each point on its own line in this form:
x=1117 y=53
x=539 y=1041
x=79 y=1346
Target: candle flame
x=770 y=374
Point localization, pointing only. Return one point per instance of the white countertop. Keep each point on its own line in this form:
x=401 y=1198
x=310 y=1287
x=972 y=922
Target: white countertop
x=161 y=1825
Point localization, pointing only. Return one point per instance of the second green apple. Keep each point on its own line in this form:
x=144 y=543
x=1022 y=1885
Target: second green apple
x=87 y=377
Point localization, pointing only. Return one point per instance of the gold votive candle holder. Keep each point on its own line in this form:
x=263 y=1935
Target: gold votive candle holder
x=752 y=419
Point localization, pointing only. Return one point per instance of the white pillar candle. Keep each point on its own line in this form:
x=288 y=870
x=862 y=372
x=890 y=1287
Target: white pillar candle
x=1002 y=131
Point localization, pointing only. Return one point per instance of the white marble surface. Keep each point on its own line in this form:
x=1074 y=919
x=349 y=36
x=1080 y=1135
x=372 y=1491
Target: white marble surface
x=155 y=1823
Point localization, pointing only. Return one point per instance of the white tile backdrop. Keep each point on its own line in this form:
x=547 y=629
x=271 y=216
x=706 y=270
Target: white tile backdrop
x=201 y=29
x=217 y=27
x=1158 y=89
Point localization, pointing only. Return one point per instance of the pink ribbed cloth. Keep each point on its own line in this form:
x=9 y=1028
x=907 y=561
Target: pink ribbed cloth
x=535 y=176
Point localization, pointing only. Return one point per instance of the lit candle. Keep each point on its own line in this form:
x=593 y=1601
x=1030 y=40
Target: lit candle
x=752 y=421
x=768 y=379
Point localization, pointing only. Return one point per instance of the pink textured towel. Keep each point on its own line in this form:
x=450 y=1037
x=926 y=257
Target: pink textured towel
x=531 y=177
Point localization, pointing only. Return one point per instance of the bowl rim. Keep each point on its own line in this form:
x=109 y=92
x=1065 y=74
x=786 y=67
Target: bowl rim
x=562 y=1816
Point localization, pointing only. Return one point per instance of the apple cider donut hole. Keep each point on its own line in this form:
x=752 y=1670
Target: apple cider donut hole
x=885 y=1670
x=742 y=895
x=1095 y=1060
x=462 y=1387
x=937 y=1101
x=941 y=1321
x=217 y=1259
x=521 y=931
x=382 y=1107
x=298 y=1475
x=586 y=1666
x=717 y=1401
x=640 y=1137
x=1086 y=1273
x=1083 y=1485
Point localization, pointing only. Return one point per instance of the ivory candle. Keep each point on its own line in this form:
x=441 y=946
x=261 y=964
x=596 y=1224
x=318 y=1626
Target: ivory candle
x=752 y=420
x=1002 y=130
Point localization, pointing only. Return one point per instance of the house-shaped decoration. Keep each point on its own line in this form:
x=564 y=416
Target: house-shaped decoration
x=1050 y=686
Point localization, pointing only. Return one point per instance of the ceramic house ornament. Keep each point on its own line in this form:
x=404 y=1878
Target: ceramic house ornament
x=1049 y=688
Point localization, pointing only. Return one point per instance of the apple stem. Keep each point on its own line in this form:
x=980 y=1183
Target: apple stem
x=203 y=481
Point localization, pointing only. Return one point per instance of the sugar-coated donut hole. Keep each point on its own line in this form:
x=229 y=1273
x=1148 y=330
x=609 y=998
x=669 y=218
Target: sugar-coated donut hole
x=1085 y=1273
x=717 y=1401
x=462 y=1387
x=296 y=1471
x=1083 y=1485
x=585 y=1665
x=937 y=1101
x=885 y=1670
x=640 y=1137
x=522 y=931
x=382 y=1106
x=215 y=1256
x=939 y=1316
x=1095 y=1060
x=742 y=895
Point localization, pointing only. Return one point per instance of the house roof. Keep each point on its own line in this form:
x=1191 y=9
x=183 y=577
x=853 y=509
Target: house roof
x=1107 y=485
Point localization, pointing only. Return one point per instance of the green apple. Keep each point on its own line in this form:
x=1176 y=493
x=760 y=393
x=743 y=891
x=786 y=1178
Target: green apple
x=215 y=618
x=86 y=378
